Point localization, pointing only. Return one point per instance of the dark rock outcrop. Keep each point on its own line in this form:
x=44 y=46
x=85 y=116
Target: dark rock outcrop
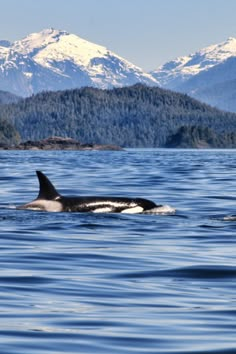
x=58 y=143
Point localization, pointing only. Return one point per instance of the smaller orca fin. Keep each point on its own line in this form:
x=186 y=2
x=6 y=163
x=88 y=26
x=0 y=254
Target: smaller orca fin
x=46 y=188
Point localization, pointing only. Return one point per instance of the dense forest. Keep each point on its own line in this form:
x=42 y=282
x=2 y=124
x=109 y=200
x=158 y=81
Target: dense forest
x=8 y=134
x=136 y=116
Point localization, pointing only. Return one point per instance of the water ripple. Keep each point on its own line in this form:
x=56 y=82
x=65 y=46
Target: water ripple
x=116 y=283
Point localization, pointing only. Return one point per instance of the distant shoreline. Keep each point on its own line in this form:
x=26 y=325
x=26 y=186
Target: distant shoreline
x=58 y=143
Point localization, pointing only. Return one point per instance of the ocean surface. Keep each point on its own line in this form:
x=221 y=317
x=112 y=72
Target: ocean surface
x=119 y=283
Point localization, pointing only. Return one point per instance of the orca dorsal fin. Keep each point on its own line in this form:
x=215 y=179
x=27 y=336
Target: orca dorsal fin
x=46 y=188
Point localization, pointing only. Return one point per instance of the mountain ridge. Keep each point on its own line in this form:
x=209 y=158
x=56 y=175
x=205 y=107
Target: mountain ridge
x=52 y=60
x=202 y=73
x=193 y=64
x=57 y=60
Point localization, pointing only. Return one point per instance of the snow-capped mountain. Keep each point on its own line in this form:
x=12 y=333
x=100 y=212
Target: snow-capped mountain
x=56 y=60
x=205 y=75
x=176 y=72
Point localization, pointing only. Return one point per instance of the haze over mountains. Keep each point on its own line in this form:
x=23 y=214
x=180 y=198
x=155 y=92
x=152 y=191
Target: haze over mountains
x=54 y=60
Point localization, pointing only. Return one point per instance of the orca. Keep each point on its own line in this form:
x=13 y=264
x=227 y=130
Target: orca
x=49 y=199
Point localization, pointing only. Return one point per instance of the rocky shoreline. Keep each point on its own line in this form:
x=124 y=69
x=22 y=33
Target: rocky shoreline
x=58 y=143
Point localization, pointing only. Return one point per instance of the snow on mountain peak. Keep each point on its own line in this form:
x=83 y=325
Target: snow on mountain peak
x=39 y=40
x=69 y=47
x=175 y=72
x=56 y=60
x=219 y=52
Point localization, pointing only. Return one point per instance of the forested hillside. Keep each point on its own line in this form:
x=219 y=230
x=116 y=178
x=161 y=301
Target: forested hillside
x=136 y=116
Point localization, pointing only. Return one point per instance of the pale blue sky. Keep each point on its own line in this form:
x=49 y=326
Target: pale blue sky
x=146 y=32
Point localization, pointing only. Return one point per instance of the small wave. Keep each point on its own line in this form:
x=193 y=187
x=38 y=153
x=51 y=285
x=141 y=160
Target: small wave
x=198 y=272
x=229 y=218
x=161 y=210
x=11 y=206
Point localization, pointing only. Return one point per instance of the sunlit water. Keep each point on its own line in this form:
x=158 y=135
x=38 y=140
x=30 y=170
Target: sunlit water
x=116 y=283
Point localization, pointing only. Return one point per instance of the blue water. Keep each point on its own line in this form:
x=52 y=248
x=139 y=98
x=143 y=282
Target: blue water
x=116 y=283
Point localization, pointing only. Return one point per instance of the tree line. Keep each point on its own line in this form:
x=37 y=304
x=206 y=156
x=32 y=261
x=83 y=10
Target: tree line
x=135 y=116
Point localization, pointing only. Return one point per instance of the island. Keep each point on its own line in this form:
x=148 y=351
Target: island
x=58 y=143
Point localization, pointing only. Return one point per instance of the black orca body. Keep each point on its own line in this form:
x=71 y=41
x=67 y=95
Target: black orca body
x=50 y=200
